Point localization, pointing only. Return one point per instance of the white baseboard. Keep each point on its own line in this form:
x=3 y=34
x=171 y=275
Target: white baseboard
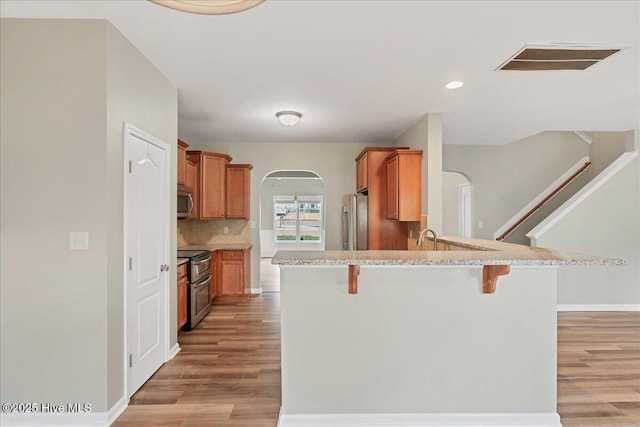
x=420 y=420
x=256 y=290
x=116 y=410
x=174 y=350
x=61 y=419
x=598 y=307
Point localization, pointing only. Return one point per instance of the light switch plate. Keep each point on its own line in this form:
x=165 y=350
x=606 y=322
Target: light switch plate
x=79 y=240
x=253 y=224
x=481 y=225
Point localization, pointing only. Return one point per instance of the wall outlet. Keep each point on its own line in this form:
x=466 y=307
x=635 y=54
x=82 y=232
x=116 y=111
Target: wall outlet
x=225 y=230
x=481 y=225
x=253 y=224
x=79 y=240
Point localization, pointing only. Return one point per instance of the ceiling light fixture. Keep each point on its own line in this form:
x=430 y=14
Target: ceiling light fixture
x=288 y=118
x=454 y=85
x=209 y=7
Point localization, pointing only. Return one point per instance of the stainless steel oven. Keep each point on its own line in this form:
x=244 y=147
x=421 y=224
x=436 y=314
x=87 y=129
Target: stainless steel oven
x=199 y=287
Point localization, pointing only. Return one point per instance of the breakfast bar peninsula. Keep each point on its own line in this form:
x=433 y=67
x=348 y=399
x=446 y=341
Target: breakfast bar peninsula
x=464 y=336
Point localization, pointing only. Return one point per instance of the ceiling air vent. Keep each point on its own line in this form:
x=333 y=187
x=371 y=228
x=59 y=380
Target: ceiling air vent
x=564 y=56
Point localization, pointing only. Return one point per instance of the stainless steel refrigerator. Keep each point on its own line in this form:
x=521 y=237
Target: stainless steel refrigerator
x=354 y=222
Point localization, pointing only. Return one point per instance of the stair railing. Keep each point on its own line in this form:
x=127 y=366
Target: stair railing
x=556 y=189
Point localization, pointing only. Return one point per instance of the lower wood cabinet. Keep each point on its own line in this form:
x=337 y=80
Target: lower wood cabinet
x=182 y=295
x=215 y=275
x=234 y=272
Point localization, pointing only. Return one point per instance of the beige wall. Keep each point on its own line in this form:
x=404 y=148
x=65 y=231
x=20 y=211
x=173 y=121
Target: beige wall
x=53 y=142
x=426 y=135
x=607 y=223
x=66 y=87
x=506 y=178
x=605 y=148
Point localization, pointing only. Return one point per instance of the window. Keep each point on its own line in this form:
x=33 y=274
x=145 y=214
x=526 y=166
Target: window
x=297 y=219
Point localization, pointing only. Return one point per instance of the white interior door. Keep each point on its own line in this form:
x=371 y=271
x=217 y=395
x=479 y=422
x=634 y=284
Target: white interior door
x=147 y=255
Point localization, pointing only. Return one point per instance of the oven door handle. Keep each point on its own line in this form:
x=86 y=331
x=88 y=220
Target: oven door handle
x=201 y=284
x=203 y=261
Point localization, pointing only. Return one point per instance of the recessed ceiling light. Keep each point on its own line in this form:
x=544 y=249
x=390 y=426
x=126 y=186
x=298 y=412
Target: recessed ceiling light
x=288 y=118
x=454 y=85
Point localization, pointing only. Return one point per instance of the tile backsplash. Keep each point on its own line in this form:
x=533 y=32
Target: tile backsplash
x=192 y=232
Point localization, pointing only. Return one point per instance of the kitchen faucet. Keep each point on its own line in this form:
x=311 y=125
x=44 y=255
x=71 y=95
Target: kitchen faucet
x=435 y=238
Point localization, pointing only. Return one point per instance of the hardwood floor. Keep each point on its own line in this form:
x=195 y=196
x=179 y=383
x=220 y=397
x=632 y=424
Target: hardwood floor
x=228 y=371
x=599 y=369
x=269 y=276
x=226 y=374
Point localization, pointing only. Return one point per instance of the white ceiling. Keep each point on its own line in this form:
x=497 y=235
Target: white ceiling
x=367 y=70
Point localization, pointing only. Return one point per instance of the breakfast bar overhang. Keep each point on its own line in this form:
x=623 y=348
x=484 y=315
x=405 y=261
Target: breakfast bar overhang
x=423 y=341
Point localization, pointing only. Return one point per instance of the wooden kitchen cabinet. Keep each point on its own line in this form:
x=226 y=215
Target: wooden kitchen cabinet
x=182 y=296
x=404 y=185
x=182 y=162
x=238 y=191
x=215 y=275
x=193 y=171
x=383 y=233
x=211 y=182
x=362 y=172
x=235 y=272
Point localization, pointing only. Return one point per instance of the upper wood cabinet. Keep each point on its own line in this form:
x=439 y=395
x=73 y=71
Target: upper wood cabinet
x=238 y=191
x=383 y=233
x=213 y=185
x=362 y=172
x=182 y=162
x=220 y=190
x=211 y=182
x=193 y=171
x=404 y=185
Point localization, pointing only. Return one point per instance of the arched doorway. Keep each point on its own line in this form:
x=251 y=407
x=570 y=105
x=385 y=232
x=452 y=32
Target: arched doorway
x=291 y=218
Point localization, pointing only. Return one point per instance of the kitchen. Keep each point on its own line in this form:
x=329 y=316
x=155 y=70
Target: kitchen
x=74 y=129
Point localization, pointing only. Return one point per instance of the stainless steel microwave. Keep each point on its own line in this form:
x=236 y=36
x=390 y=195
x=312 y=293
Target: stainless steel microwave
x=185 y=201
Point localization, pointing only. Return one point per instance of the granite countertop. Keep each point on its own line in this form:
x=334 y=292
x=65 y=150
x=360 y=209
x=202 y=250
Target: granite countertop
x=217 y=246
x=182 y=261
x=481 y=252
